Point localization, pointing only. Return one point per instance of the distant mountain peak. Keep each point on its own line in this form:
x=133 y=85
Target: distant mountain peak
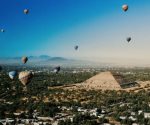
x=57 y=59
x=44 y=56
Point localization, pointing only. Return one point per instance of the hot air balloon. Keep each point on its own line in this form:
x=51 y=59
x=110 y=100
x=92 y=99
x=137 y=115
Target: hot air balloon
x=125 y=7
x=12 y=74
x=25 y=77
x=128 y=39
x=57 y=69
x=2 y=30
x=76 y=47
x=26 y=11
x=24 y=59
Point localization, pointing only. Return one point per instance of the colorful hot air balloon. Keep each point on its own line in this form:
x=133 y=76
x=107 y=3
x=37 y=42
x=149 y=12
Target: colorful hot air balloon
x=76 y=47
x=57 y=69
x=25 y=77
x=24 y=59
x=26 y=11
x=12 y=74
x=128 y=39
x=125 y=7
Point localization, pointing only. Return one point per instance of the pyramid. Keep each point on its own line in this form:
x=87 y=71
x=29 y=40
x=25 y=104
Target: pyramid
x=103 y=80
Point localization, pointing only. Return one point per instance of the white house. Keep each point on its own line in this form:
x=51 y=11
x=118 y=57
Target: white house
x=139 y=112
x=132 y=118
x=106 y=124
x=135 y=124
x=132 y=113
x=146 y=115
x=122 y=117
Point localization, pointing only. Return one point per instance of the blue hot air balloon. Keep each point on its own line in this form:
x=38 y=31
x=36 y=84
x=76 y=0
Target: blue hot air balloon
x=12 y=74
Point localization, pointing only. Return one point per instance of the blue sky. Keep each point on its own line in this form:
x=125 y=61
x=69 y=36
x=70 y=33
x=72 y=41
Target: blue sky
x=54 y=27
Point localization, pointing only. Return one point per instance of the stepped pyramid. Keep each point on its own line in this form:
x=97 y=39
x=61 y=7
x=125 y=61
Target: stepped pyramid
x=104 y=81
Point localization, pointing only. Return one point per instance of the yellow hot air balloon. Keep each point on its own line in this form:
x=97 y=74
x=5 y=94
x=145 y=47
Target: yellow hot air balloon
x=25 y=77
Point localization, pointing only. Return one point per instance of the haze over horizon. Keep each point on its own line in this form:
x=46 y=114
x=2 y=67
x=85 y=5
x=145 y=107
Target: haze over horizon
x=99 y=27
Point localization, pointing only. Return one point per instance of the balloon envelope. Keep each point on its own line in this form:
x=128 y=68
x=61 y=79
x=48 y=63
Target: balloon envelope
x=2 y=30
x=76 y=47
x=26 y=11
x=24 y=59
x=25 y=77
x=57 y=69
x=128 y=39
x=12 y=74
x=125 y=7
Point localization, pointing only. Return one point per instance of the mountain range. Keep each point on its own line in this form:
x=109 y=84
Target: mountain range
x=45 y=60
x=41 y=58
